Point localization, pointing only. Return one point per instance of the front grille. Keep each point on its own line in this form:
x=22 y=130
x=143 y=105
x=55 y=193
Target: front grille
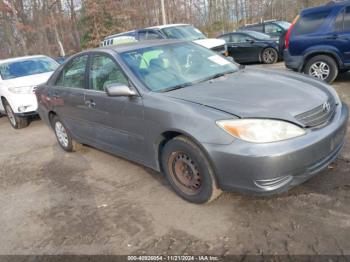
x=318 y=115
x=219 y=49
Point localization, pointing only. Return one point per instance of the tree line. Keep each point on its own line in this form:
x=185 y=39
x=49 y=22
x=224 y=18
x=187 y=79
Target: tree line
x=63 y=27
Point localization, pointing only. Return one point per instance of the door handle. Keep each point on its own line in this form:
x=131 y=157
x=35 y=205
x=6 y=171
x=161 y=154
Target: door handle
x=332 y=37
x=90 y=103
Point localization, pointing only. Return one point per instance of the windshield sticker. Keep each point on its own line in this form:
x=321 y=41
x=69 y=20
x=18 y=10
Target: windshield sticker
x=218 y=60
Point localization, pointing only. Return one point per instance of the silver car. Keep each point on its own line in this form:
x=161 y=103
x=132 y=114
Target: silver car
x=206 y=123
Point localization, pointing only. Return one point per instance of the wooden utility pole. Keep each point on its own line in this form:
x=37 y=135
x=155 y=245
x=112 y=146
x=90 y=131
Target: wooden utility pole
x=163 y=11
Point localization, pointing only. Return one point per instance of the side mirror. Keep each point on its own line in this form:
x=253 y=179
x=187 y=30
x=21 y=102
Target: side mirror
x=119 y=90
x=251 y=41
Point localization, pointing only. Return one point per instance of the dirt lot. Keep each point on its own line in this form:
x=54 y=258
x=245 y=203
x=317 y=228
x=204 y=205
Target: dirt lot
x=90 y=202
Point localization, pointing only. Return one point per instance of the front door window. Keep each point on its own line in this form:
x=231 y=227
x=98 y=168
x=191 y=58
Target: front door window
x=104 y=71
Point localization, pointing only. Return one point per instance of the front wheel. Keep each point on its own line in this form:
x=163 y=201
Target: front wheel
x=15 y=121
x=269 y=56
x=188 y=171
x=322 y=67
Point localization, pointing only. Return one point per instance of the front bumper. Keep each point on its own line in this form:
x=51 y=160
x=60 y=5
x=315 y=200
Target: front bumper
x=265 y=169
x=27 y=114
x=293 y=62
x=23 y=104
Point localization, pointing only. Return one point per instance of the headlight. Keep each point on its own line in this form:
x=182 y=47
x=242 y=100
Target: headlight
x=21 y=89
x=260 y=130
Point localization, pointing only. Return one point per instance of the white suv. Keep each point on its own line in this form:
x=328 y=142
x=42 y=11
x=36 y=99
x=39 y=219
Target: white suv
x=18 y=79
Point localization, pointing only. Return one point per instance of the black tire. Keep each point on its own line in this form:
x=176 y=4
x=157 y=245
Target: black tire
x=316 y=62
x=181 y=150
x=269 y=56
x=69 y=145
x=15 y=121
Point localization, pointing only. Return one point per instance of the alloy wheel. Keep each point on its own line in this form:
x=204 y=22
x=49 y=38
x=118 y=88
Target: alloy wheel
x=61 y=134
x=320 y=70
x=269 y=56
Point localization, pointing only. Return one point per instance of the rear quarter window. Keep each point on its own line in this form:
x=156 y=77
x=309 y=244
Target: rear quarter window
x=347 y=20
x=311 y=22
x=339 y=22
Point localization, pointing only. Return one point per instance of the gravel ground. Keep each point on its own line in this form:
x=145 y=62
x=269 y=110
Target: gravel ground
x=90 y=202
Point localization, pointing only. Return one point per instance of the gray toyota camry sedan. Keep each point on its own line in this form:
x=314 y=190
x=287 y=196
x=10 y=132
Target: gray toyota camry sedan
x=207 y=124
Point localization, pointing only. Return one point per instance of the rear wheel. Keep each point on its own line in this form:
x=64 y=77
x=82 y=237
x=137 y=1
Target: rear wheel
x=188 y=171
x=322 y=67
x=63 y=136
x=15 y=121
x=269 y=56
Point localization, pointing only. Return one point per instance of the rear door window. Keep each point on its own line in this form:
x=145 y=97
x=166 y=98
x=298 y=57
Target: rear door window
x=148 y=35
x=73 y=74
x=258 y=28
x=310 y=23
x=272 y=29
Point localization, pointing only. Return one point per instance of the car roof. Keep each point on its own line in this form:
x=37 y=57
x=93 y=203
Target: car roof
x=342 y=2
x=21 y=58
x=243 y=32
x=139 y=45
x=165 y=26
x=327 y=6
x=119 y=34
x=261 y=23
x=152 y=27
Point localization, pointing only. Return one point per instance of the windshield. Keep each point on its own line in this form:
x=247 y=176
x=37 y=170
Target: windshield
x=168 y=67
x=258 y=35
x=285 y=25
x=185 y=32
x=27 y=67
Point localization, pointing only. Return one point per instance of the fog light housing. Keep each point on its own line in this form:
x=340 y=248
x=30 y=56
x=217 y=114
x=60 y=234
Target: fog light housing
x=273 y=183
x=22 y=108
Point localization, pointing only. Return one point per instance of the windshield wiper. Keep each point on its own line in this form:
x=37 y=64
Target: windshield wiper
x=199 y=38
x=176 y=87
x=218 y=75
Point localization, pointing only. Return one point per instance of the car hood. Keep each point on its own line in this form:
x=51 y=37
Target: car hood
x=210 y=42
x=254 y=93
x=32 y=80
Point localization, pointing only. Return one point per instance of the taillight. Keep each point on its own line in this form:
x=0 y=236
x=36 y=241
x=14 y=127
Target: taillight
x=290 y=31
